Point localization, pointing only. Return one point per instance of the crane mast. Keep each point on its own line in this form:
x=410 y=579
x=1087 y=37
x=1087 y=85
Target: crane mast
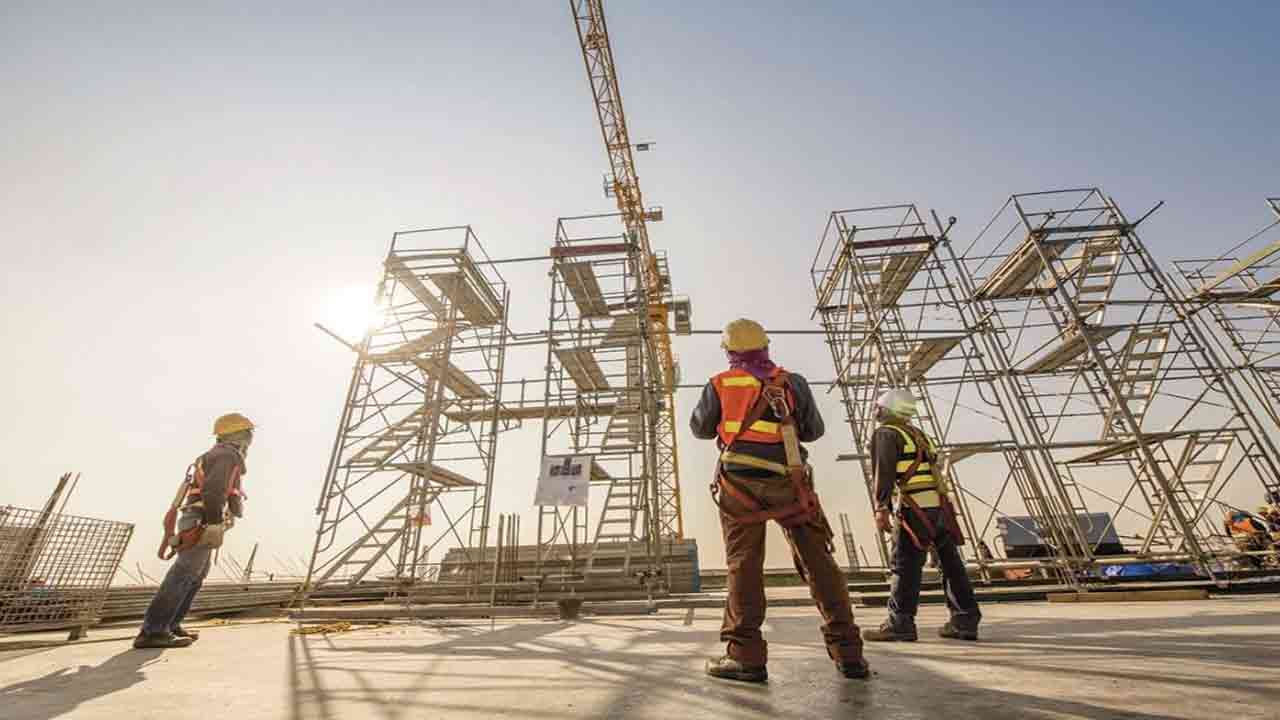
x=593 y=36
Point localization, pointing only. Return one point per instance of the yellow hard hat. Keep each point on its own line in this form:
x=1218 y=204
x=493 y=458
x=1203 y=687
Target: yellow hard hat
x=231 y=423
x=743 y=334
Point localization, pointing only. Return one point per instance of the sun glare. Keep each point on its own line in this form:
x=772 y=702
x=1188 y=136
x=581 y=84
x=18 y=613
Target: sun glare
x=351 y=312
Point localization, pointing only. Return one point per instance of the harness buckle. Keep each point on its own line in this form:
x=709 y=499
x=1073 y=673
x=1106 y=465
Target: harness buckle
x=777 y=399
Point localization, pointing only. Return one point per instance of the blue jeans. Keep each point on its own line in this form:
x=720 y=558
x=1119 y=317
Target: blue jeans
x=908 y=565
x=177 y=592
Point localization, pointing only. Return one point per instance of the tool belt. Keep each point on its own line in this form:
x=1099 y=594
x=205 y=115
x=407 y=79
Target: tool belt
x=946 y=511
x=806 y=510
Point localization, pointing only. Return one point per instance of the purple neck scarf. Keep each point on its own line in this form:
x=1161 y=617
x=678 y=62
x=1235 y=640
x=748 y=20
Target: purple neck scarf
x=756 y=362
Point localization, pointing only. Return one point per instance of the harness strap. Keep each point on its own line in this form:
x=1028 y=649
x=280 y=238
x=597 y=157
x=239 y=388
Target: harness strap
x=786 y=515
x=729 y=457
x=946 y=511
x=806 y=508
x=905 y=498
x=168 y=548
x=175 y=542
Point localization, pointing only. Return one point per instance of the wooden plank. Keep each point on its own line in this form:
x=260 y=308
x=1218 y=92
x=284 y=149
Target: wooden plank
x=1129 y=596
x=563 y=251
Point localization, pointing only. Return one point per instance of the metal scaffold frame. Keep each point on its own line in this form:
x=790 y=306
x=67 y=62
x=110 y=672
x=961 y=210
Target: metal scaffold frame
x=895 y=314
x=1238 y=292
x=602 y=398
x=412 y=466
x=1058 y=325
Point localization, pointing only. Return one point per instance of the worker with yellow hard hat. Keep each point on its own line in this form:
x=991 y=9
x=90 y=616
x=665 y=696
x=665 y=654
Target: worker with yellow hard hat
x=208 y=501
x=758 y=413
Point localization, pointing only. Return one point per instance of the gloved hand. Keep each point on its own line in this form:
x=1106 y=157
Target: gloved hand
x=884 y=523
x=212 y=536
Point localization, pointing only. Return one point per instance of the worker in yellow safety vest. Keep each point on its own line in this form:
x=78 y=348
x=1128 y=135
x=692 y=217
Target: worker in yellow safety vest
x=904 y=464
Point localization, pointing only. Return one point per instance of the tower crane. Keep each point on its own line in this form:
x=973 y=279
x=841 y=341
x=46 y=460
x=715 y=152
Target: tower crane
x=624 y=185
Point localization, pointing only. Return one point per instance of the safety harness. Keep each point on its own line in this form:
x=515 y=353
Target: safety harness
x=806 y=509
x=190 y=496
x=919 y=476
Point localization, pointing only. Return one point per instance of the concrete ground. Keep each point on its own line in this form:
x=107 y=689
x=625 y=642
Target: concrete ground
x=1202 y=659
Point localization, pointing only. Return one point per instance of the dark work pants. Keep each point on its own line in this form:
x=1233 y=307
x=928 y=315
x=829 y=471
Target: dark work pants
x=744 y=554
x=908 y=564
x=177 y=592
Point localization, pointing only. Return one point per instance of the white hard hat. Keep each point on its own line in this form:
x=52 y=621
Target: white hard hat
x=898 y=402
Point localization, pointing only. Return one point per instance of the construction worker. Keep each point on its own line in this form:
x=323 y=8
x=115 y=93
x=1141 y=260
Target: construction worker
x=903 y=460
x=759 y=413
x=1271 y=511
x=208 y=501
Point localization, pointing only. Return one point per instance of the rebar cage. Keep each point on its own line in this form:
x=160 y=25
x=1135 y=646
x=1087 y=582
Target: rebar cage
x=1056 y=339
x=412 y=466
x=55 y=568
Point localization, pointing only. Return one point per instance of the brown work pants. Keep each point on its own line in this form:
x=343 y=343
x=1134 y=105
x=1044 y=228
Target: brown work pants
x=744 y=552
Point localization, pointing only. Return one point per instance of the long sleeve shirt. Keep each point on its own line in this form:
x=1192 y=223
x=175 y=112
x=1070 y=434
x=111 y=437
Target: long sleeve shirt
x=223 y=466
x=705 y=421
x=887 y=446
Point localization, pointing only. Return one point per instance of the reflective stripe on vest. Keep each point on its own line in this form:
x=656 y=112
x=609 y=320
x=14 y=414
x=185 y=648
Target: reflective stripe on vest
x=762 y=426
x=738 y=391
x=923 y=485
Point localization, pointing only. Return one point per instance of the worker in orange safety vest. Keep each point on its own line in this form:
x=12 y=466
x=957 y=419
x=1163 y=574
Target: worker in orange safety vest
x=758 y=413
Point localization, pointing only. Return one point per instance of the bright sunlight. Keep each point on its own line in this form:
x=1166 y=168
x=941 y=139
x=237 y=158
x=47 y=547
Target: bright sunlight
x=351 y=311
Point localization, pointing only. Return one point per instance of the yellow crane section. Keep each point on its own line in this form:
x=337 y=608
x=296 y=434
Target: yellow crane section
x=593 y=36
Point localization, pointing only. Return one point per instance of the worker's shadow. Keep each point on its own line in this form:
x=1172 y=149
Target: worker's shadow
x=63 y=690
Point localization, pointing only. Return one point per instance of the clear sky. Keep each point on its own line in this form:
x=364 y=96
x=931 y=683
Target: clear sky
x=183 y=191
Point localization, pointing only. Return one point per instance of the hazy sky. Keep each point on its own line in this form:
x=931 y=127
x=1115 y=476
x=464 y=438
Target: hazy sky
x=183 y=191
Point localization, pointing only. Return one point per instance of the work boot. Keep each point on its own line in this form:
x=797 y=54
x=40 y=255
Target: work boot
x=160 y=640
x=854 y=669
x=888 y=633
x=182 y=632
x=729 y=669
x=951 y=632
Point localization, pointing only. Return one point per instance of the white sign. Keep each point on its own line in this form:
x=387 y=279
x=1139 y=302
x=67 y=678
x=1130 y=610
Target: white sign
x=564 y=480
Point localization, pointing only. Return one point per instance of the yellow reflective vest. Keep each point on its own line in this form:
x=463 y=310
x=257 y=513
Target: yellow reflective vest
x=923 y=485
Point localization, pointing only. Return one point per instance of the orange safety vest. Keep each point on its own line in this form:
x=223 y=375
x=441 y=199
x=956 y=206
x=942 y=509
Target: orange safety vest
x=738 y=391
x=1239 y=523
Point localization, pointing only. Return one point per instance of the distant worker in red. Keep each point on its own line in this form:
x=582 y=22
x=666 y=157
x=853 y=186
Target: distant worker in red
x=206 y=505
x=759 y=413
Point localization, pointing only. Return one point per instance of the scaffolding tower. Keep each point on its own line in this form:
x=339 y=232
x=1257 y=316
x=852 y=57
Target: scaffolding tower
x=896 y=315
x=411 y=470
x=1057 y=340
x=1238 y=292
x=604 y=395
x=1128 y=402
